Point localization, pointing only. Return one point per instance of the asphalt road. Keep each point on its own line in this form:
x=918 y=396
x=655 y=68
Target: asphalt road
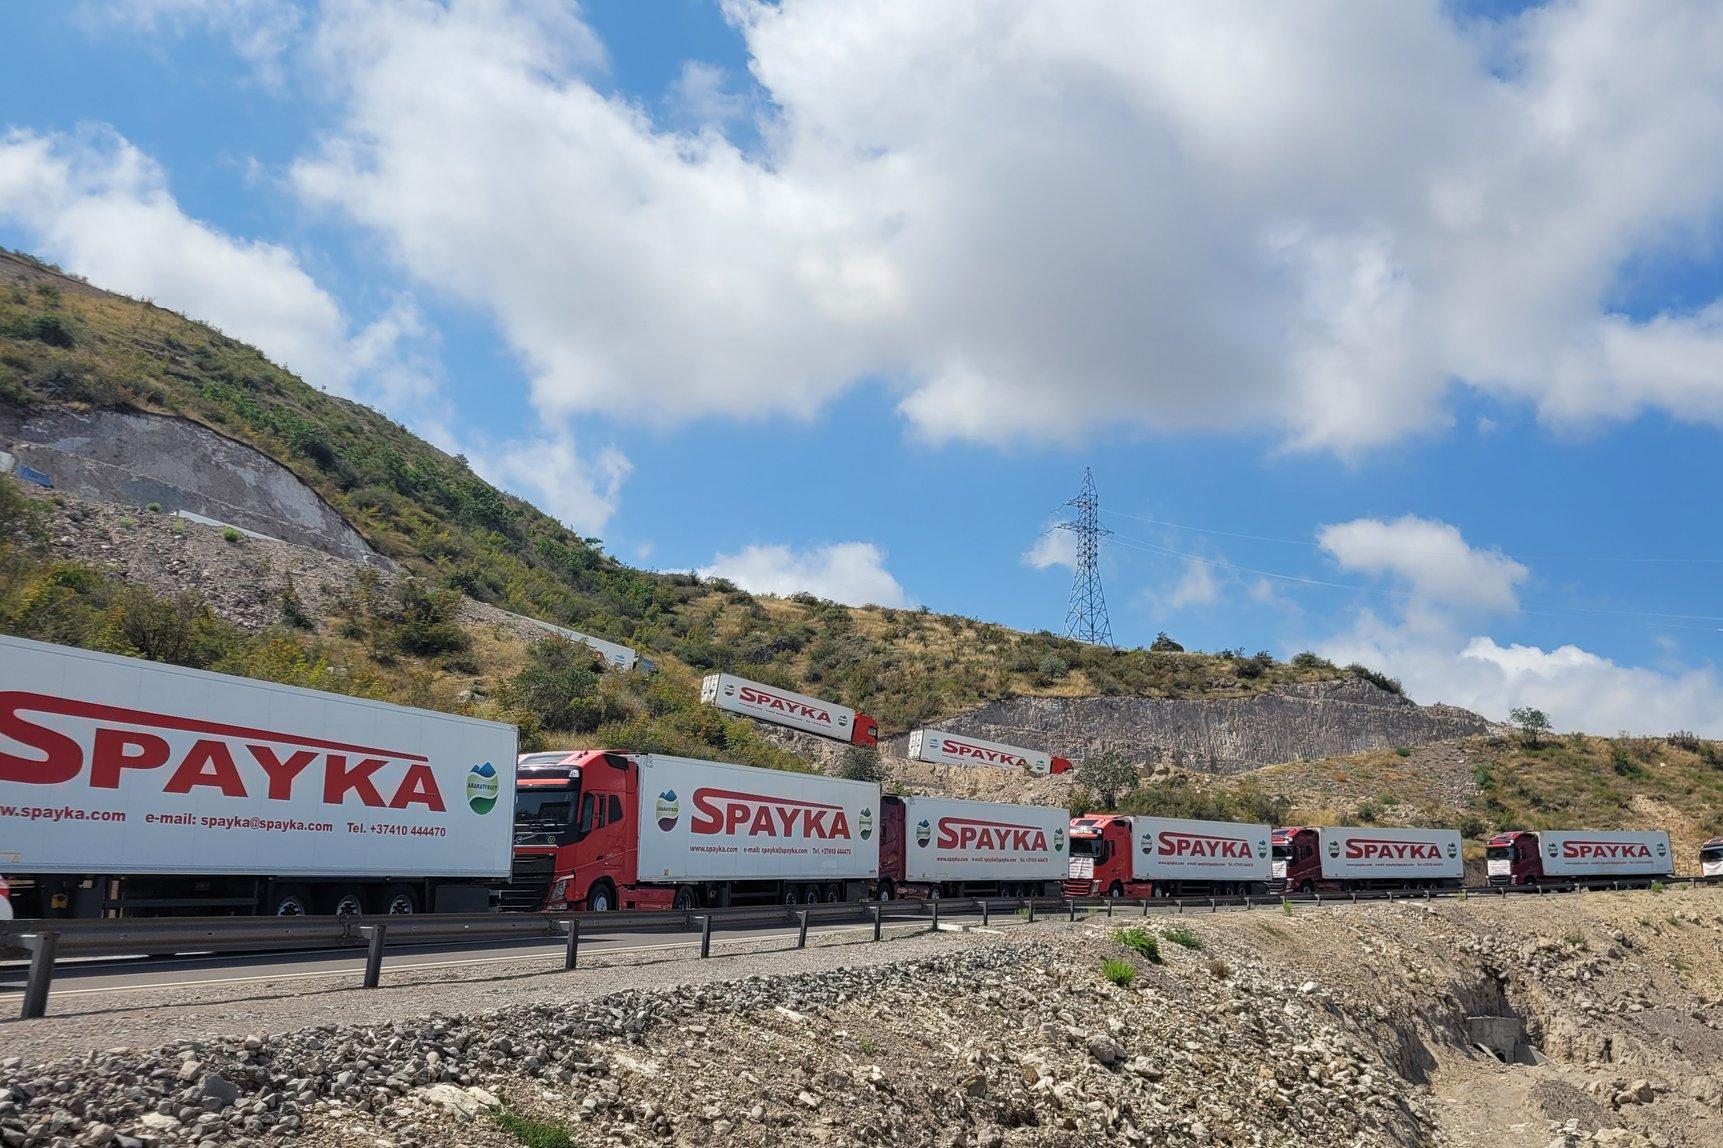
x=95 y=976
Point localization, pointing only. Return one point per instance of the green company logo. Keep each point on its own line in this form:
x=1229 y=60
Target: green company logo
x=482 y=787
x=923 y=833
x=1058 y=840
x=865 y=824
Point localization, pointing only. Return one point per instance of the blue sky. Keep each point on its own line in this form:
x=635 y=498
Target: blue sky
x=1397 y=337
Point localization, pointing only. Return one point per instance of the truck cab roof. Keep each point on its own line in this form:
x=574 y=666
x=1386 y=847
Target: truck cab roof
x=1508 y=837
x=554 y=767
x=1284 y=833
x=1094 y=824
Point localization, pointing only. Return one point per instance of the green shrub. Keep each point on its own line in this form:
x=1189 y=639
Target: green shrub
x=1306 y=660
x=1142 y=942
x=1380 y=680
x=860 y=763
x=1120 y=972
x=155 y=508
x=559 y=687
x=532 y=1133
x=233 y=536
x=1183 y=937
x=1402 y=751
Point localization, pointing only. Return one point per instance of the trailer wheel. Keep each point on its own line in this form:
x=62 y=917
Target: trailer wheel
x=601 y=898
x=1307 y=887
x=834 y=893
x=288 y=901
x=686 y=898
x=342 y=901
x=400 y=900
x=1116 y=889
x=811 y=895
x=792 y=895
x=886 y=892
x=934 y=892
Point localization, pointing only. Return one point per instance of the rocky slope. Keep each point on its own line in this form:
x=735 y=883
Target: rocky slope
x=1222 y=734
x=1241 y=1028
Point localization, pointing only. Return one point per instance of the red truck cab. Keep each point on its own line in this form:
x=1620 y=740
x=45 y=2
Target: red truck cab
x=864 y=730
x=574 y=848
x=1101 y=858
x=1512 y=858
x=1297 y=860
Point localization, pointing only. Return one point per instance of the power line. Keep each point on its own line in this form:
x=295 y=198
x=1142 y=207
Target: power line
x=1086 y=618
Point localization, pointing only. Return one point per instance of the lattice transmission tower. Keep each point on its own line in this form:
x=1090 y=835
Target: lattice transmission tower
x=1086 y=620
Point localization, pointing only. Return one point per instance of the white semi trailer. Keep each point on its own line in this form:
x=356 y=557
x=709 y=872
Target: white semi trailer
x=133 y=788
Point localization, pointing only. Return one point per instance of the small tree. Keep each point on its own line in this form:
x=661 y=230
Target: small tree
x=1533 y=723
x=1107 y=775
x=861 y=763
x=1165 y=645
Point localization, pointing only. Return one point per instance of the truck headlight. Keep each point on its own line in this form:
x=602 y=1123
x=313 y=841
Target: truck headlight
x=558 y=890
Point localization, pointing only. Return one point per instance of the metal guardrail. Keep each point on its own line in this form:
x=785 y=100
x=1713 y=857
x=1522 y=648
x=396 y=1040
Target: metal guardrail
x=46 y=941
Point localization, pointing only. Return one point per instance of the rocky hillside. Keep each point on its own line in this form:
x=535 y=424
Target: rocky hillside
x=1223 y=734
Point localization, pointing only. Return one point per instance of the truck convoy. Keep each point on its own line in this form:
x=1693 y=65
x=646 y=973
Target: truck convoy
x=136 y=788
x=133 y=788
x=938 y=747
x=783 y=707
x=597 y=830
x=1116 y=856
x=1337 y=858
x=1522 y=857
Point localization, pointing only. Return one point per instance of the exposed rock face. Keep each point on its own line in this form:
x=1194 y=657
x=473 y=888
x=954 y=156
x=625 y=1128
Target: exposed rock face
x=138 y=459
x=1220 y=735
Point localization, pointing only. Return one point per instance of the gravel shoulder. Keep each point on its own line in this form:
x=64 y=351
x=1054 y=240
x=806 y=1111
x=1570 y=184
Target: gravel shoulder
x=1342 y=1025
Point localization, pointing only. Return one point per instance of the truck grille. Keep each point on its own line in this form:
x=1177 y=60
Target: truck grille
x=1079 y=887
x=529 y=881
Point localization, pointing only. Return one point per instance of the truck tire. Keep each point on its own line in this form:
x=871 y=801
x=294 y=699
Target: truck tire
x=1116 y=889
x=686 y=898
x=288 y=901
x=834 y=893
x=400 y=901
x=601 y=898
x=1307 y=887
x=886 y=892
x=792 y=895
x=341 y=901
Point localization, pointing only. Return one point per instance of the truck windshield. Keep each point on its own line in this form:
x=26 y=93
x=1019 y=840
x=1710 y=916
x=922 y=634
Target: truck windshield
x=543 y=816
x=1083 y=846
x=1498 y=853
x=1282 y=852
x=1715 y=853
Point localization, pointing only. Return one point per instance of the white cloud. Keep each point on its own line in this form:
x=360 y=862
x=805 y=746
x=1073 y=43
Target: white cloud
x=1430 y=557
x=1431 y=650
x=1197 y=586
x=702 y=94
x=1035 y=219
x=101 y=208
x=261 y=31
x=852 y=572
x=1054 y=547
x=579 y=488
